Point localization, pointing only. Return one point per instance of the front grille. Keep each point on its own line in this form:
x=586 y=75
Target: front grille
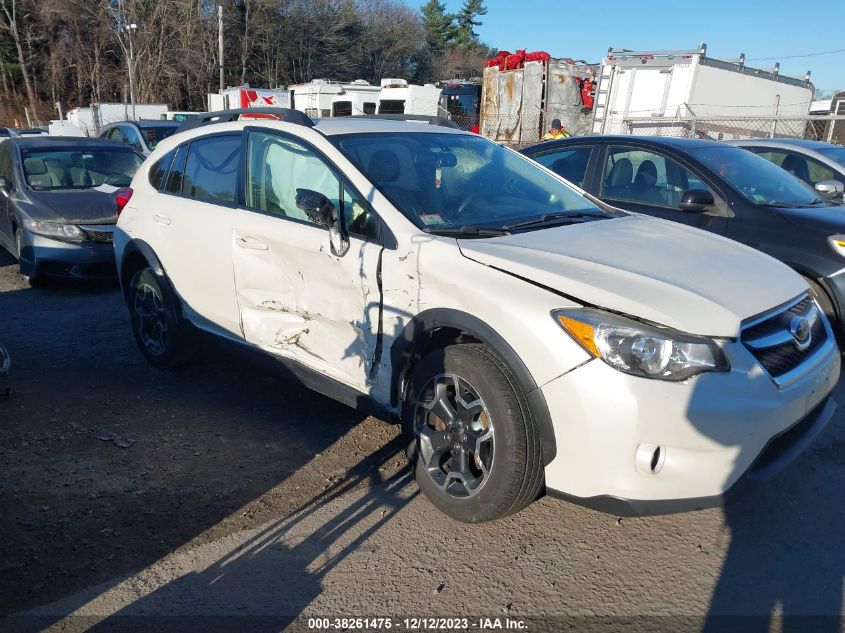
x=99 y=233
x=775 y=347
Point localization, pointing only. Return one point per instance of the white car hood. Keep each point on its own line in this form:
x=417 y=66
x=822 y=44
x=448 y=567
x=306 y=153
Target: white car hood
x=656 y=270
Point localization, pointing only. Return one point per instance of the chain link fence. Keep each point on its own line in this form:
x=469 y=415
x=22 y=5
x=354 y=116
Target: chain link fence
x=519 y=129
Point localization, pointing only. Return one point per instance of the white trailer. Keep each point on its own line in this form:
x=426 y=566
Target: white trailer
x=322 y=98
x=639 y=91
x=91 y=119
x=398 y=97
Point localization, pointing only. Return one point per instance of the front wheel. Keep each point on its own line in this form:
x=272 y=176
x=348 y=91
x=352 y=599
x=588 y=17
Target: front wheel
x=159 y=331
x=473 y=448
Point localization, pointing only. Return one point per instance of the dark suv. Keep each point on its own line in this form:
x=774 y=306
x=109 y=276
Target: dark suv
x=719 y=188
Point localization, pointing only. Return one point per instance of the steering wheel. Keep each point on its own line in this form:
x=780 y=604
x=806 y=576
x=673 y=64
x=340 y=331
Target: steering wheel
x=470 y=199
x=115 y=179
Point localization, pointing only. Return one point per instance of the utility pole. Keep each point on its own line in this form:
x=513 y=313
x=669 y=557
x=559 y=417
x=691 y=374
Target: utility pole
x=220 y=43
x=131 y=61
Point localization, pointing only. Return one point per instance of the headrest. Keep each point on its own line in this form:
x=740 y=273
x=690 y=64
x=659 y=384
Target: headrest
x=383 y=166
x=35 y=166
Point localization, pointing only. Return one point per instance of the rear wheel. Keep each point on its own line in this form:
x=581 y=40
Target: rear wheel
x=160 y=332
x=472 y=446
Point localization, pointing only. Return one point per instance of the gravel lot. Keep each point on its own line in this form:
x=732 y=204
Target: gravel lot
x=225 y=489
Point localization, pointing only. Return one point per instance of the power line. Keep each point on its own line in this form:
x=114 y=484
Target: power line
x=765 y=59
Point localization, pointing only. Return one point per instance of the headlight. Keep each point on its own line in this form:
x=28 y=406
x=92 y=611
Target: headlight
x=67 y=232
x=639 y=349
x=837 y=242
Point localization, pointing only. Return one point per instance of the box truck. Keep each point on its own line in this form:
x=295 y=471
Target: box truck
x=638 y=91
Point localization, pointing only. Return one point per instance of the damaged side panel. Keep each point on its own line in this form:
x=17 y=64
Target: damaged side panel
x=298 y=300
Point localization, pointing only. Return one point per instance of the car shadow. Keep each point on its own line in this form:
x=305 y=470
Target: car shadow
x=107 y=465
x=785 y=563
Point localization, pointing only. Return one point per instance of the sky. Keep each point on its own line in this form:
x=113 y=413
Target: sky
x=585 y=30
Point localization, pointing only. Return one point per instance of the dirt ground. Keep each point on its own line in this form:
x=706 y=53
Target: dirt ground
x=107 y=464
x=225 y=489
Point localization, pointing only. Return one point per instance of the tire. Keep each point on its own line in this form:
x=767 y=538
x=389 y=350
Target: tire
x=162 y=336
x=826 y=304
x=499 y=468
x=818 y=293
x=36 y=279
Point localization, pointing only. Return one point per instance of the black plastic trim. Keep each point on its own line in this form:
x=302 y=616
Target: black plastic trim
x=404 y=350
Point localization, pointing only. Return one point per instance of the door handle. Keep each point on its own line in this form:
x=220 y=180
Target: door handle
x=161 y=219
x=251 y=243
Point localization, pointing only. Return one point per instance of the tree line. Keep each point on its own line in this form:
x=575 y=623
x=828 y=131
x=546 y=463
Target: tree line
x=76 y=52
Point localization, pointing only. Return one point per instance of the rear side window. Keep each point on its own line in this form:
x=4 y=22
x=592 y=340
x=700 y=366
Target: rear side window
x=159 y=170
x=211 y=170
x=177 y=171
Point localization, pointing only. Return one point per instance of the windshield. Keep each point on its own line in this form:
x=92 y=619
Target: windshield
x=76 y=168
x=834 y=153
x=756 y=178
x=443 y=181
x=154 y=134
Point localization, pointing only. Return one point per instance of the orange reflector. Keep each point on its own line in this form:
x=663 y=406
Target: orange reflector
x=581 y=332
x=839 y=243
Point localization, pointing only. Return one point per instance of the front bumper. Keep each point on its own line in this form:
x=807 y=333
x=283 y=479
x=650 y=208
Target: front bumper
x=85 y=260
x=633 y=446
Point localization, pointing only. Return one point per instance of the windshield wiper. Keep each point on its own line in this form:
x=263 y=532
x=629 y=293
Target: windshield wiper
x=548 y=218
x=468 y=231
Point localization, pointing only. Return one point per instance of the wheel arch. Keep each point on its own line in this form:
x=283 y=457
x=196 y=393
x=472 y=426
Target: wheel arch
x=136 y=255
x=439 y=327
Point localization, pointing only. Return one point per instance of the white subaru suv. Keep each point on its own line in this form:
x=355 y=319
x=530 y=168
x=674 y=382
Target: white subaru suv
x=527 y=337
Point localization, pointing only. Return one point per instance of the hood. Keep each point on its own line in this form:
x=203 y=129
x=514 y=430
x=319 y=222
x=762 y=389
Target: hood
x=830 y=219
x=77 y=206
x=656 y=270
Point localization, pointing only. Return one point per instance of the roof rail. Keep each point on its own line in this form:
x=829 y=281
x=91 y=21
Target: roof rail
x=421 y=118
x=225 y=116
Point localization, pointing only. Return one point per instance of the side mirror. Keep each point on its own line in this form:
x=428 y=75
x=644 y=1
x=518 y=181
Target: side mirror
x=322 y=212
x=696 y=200
x=830 y=188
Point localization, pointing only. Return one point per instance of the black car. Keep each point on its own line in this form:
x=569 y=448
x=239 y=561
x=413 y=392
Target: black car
x=59 y=201
x=719 y=188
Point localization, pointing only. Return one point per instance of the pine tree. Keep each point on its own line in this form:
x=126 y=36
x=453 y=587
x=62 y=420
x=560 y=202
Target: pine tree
x=466 y=19
x=439 y=25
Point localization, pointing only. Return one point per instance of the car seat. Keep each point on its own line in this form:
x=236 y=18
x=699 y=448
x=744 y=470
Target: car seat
x=796 y=166
x=618 y=183
x=37 y=175
x=645 y=183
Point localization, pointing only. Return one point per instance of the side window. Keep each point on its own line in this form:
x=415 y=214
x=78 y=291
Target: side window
x=6 y=163
x=211 y=170
x=130 y=137
x=819 y=172
x=771 y=156
x=176 y=175
x=159 y=169
x=117 y=135
x=569 y=163
x=645 y=177
x=369 y=108
x=277 y=167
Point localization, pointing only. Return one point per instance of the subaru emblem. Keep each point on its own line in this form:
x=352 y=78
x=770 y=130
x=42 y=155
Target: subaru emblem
x=799 y=328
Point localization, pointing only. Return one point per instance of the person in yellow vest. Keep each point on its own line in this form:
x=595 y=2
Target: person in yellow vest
x=556 y=131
